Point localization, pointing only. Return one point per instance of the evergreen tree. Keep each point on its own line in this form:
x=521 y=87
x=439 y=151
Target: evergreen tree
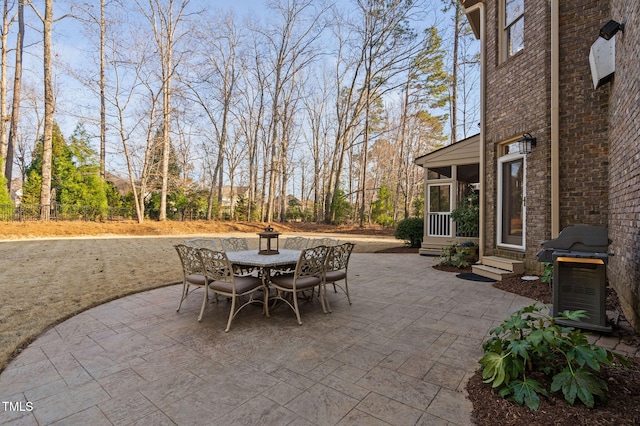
x=75 y=172
x=382 y=208
x=5 y=197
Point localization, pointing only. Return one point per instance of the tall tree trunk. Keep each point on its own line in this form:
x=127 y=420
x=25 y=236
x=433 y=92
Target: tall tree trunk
x=15 y=107
x=47 y=138
x=3 y=83
x=103 y=108
x=454 y=74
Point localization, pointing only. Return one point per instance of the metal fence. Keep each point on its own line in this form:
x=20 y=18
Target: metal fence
x=31 y=212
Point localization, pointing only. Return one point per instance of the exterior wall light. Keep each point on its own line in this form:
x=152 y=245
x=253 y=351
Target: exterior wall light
x=610 y=29
x=525 y=143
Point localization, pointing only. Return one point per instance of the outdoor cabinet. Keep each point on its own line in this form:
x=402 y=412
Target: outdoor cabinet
x=579 y=282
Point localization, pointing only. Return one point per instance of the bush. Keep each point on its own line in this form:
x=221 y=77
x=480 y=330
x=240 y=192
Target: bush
x=411 y=230
x=451 y=256
x=532 y=342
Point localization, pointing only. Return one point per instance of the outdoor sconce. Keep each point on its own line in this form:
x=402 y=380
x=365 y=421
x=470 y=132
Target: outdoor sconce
x=610 y=29
x=266 y=237
x=525 y=143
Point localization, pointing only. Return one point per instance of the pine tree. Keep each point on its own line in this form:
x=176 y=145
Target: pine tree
x=75 y=172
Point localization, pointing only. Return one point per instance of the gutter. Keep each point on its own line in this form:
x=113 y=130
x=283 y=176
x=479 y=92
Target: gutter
x=555 y=118
x=479 y=7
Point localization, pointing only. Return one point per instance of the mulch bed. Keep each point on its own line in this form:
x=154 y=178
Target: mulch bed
x=623 y=396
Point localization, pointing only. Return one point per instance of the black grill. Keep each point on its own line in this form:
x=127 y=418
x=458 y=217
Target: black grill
x=579 y=257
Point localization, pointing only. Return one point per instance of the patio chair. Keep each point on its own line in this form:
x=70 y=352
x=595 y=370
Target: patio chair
x=193 y=274
x=324 y=242
x=221 y=280
x=309 y=274
x=237 y=244
x=296 y=243
x=336 y=268
x=234 y=244
x=209 y=243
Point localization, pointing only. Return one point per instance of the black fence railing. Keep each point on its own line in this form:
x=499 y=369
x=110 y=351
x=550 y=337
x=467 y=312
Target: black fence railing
x=31 y=212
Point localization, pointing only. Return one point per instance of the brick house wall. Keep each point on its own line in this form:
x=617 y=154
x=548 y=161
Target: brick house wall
x=518 y=100
x=584 y=124
x=624 y=156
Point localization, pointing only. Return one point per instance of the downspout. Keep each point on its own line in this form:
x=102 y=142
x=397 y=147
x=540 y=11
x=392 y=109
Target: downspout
x=483 y=66
x=555 y=118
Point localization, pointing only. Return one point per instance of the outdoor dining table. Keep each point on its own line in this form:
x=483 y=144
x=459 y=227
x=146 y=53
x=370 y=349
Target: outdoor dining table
x=285 y=259
x=265 y=262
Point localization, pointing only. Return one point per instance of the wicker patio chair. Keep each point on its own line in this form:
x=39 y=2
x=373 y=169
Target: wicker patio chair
x=308 y=275
x=221 y=280
x=193 y=275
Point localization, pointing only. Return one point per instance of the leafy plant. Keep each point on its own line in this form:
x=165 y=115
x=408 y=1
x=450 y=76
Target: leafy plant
x=467 y=215
x=411 y=230
x=451 y=256
x=531 y=341
x=547 y=274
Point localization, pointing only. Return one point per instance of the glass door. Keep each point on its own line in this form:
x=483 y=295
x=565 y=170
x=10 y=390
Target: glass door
x=511 y=201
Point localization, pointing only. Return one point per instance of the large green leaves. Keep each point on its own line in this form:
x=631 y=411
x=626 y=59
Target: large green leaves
x=530 y=340
x=580 y=383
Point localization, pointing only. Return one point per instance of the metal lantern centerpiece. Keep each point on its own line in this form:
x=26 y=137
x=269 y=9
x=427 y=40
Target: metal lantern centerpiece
x=266 y=237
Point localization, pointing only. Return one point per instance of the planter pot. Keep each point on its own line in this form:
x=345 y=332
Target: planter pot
x=470 y=253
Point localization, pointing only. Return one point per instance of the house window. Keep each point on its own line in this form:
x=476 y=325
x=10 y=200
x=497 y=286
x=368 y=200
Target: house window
x=512 y=12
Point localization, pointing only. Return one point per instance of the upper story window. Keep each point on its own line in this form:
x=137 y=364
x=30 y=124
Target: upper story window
x=513 y=27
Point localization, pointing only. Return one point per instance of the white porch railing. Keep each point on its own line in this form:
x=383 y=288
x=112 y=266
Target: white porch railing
x=439 y=225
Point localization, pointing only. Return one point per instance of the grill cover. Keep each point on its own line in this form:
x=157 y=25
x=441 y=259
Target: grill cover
x=579 y=240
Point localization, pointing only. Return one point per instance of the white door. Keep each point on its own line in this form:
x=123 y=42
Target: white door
x=439 y=204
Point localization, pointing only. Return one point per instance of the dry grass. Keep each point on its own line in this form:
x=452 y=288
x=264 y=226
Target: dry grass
x=46 y=280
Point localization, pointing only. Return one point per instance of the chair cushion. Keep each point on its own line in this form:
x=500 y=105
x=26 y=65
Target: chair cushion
x=332 y=276
x=243 y=285
x=195 y=279
x=286 y=281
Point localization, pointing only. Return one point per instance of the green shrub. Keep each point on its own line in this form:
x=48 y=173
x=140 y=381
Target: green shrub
x=451 y=256
x=411 y=230
x=531 y=341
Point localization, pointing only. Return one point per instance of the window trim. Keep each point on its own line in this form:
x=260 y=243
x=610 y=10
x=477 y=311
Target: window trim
x=501 y=160
x=505 y=54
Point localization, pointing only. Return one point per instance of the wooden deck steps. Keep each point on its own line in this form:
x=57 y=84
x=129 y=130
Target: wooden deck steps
x=496 y=268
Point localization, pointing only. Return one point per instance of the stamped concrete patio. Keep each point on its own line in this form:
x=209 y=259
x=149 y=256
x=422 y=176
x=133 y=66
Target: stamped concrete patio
x=400 y=355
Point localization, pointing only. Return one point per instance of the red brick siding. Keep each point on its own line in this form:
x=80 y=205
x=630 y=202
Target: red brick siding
x=519 y=100
x=624 y=157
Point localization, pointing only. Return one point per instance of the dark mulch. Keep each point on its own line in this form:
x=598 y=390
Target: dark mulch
x=401 y=249
x=622 y=407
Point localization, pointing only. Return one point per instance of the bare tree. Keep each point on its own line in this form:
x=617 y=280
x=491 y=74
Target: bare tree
x=15 y=105
x=165 y=24
x=214 y=88
x=49 y=107
x=290 y=41
x=7 y=20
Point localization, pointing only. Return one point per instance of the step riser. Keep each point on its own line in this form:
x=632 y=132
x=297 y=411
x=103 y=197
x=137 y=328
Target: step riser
x=496 y=274
x=513 y=266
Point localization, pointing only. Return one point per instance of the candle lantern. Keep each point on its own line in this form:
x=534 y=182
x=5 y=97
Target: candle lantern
x=267 y=245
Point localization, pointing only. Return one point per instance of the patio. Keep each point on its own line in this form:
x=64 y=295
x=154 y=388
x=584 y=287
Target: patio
x=401 y=355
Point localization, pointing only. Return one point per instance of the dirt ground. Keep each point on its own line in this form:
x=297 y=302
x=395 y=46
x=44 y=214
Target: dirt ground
x=22 y=230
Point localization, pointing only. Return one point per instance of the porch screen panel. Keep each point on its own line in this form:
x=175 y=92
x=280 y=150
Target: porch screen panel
x=440 y=210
